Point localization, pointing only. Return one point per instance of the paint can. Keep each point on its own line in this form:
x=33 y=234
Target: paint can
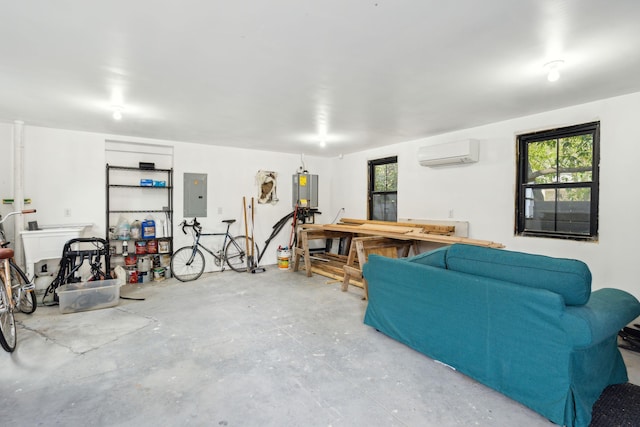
x=132 y=275
x=143 y=277
x=165 y=260
x=144 y=264
x=141 y=247
x=158 y=274
x=152 y=246
x=164 y=246
x=283 y=258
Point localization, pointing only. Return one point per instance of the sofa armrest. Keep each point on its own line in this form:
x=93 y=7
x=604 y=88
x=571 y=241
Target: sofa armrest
x=607 y=311
x=434 y=258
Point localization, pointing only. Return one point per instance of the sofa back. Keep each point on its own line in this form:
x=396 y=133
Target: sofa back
x=568 y=277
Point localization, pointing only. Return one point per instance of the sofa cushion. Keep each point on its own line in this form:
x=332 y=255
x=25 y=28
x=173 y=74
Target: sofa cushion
x=434 y=258
x=568 y=277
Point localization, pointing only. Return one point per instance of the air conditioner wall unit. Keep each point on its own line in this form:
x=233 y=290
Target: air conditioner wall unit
x=450 y=153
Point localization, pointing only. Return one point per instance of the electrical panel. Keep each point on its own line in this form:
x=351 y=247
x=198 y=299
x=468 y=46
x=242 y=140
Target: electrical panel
x=305 y=190
x=195 y=195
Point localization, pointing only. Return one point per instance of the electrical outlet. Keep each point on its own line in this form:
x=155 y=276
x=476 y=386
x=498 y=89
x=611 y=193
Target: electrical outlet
x=450 y=213
x=67 y=212
x=219 y=211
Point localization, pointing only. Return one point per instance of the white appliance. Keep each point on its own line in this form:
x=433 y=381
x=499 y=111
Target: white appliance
x=451 y=153
x=46 y=244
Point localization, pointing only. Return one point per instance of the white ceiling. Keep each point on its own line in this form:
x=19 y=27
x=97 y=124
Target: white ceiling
x=279 y=74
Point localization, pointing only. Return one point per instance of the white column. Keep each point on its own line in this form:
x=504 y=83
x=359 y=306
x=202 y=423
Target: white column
x=18 y=189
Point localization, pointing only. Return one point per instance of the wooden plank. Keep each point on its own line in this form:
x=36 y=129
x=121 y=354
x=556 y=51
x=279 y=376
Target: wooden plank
x=362 y=247
x=378 y=240
x=352 y=253
x=334 y=276
x=333 y=269
x=380 y=246
x=305 y=250
x=342 y=259
x=330 y=263
x=325 y=234
x=428 y=228
x=390 y=228
x=449 y=240
x=455 y=239
x=350 y=274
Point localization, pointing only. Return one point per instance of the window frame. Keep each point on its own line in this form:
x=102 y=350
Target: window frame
x=370 y=191
x=523 y=142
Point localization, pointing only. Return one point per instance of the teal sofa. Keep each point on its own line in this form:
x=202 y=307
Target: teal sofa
x=525 y=325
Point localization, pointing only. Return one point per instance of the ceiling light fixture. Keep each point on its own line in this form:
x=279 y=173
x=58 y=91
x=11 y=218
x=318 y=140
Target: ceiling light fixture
x=553 y=69
x=117 y=113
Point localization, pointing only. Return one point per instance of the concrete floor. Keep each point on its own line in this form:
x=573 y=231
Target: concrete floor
x=270 y=349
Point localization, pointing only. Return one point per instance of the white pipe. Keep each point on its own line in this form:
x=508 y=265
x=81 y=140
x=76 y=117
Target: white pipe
x=18 y=189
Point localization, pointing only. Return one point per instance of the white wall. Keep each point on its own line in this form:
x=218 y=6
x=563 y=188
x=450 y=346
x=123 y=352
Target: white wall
x=65 y=170
x=6 y=179
x=231 y=174
x=484 y=193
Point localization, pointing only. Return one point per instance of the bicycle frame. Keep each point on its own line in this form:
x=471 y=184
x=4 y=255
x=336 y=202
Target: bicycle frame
x=189 y=262
x=8 y=302
x=6 y=277
x=6 y=264
x=197 y=244
x=17 y=289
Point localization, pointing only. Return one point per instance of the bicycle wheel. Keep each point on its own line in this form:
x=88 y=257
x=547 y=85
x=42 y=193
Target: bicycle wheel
x=27 y=303
x=8 y=337
x=236 y=253
x=187 y=263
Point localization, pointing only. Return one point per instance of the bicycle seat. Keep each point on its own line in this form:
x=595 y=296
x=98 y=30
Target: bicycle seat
x=6 y=253
x=229 y=221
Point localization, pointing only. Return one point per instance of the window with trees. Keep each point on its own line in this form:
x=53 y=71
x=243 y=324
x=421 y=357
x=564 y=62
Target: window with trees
x=383 y=189
x=557 y=191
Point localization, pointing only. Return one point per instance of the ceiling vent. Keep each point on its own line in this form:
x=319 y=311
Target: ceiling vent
x=451 y=153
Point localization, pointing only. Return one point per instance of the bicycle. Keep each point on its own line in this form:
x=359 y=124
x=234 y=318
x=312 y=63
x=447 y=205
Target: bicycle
x=187 y=263
x=17 y=292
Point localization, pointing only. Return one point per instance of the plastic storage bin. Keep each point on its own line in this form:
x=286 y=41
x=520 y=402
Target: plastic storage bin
x=83 y=296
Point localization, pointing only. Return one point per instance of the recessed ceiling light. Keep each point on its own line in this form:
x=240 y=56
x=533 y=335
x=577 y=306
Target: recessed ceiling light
x=117 y=113
x=553 y=69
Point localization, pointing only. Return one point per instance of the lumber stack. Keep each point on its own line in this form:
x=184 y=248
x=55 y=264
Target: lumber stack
x=383 y=233
x=444 y=230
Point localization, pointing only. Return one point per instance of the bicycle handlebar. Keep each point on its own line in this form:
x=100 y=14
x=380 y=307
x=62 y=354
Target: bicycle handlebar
x=22 y=212
x=194 y=224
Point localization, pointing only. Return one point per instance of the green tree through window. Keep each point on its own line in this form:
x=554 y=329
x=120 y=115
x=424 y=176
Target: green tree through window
x=558 y=182
x=383 y=189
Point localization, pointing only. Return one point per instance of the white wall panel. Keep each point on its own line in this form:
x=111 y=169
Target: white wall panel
x=65 y=171
x=483 y=193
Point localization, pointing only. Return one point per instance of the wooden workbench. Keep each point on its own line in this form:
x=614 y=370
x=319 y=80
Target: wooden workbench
x=345 y=268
